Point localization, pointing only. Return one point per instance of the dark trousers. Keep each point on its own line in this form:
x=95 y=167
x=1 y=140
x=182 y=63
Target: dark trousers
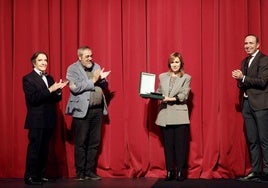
x=37 y=152
x=175 y=139
x=87 y=138
x=256 y=123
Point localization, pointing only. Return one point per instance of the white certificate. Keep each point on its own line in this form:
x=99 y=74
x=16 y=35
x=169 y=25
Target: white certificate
x=147 y=83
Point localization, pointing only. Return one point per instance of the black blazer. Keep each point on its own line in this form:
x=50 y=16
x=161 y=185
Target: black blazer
x=41 y=104
x=256 y=82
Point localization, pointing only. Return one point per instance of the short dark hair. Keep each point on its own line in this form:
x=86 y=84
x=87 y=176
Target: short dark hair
x=35 y=55
x=256 y=37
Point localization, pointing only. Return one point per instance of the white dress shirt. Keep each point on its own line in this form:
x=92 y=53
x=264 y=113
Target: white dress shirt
x=42 y=75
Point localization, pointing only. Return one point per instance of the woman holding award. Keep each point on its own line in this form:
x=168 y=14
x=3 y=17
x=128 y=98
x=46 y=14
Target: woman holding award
x=173 y=117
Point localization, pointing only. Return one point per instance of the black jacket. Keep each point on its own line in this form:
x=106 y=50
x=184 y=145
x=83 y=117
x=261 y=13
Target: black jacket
x=41 y=104
x=256 y=82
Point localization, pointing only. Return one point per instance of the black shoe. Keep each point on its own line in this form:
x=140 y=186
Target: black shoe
x=44 y=179
x=79 y=178
x=170 y=176
x=181 y=175
x=253 y=176
x=92 y=176
x=32 y=181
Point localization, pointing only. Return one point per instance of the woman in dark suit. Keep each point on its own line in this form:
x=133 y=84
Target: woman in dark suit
x=173 y=117
x=41 y=95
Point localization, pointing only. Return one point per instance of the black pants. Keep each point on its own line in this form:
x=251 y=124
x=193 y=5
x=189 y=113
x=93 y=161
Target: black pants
x=175 y=138
x=37 y=152
x=256 y=123
x=87 y=138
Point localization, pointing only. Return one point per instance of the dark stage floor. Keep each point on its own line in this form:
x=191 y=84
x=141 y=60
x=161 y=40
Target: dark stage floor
x=136 y=183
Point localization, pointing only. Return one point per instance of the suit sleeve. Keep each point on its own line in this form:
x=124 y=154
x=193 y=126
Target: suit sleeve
x=55 y=96
x=77 y=83
x=35 y=94
x=184 y=90
x=259 y=82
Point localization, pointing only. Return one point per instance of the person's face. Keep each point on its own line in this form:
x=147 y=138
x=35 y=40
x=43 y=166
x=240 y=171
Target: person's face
x=86 y=58
x=251 y=45
x=175 y=65
x=41 y=62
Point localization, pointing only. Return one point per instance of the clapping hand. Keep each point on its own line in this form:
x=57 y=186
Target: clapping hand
x=63 y=83
x=100 y=74
x=58 y=85
x=104 y=74
x=237 y=74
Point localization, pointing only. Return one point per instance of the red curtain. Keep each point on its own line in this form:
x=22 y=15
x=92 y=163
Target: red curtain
x=128 y=37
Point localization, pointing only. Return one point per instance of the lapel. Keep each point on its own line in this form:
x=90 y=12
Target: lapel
x=254 y=63
x=178 y=84
x=165 y=85
x=38 y=79
x=82 y=71
x=50 y=80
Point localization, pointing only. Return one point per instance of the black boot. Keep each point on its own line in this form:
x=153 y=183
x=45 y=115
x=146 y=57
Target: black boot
x=170 y=175
x=181 y=175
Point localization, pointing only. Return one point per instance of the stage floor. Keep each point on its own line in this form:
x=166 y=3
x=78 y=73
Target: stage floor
x=136 y=183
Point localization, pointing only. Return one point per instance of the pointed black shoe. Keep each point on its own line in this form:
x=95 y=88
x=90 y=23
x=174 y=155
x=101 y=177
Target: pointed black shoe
x=181 y=175
x=32 y=181
x=92 y=176
x=170 y=175
x=45 y=179
x=253 y=176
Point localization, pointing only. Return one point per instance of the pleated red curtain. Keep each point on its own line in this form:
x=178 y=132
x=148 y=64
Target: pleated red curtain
x=128 y=37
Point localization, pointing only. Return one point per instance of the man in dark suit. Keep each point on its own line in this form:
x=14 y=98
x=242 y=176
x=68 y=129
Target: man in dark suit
x=41 y=94
x=253 y=82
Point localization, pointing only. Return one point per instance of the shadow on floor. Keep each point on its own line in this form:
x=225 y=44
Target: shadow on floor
x=136 y=183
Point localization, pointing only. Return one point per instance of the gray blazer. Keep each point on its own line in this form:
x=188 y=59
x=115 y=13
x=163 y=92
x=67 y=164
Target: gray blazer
x=174 y=113
x=80 y=87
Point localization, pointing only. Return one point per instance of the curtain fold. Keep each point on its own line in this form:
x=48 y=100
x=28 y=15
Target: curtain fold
x=129 y=37
x=6 y=79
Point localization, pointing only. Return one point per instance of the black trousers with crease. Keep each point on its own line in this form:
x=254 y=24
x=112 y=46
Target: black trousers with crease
x=176 y=141
x=87 y=138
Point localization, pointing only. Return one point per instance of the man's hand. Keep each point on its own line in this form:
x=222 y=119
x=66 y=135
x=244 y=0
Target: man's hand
x=104 y=74
x=237 y=74
x=96 y=75
x=58 y=85
x=100 y=74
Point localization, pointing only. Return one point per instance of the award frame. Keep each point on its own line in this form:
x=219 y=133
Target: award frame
x=147 y=86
